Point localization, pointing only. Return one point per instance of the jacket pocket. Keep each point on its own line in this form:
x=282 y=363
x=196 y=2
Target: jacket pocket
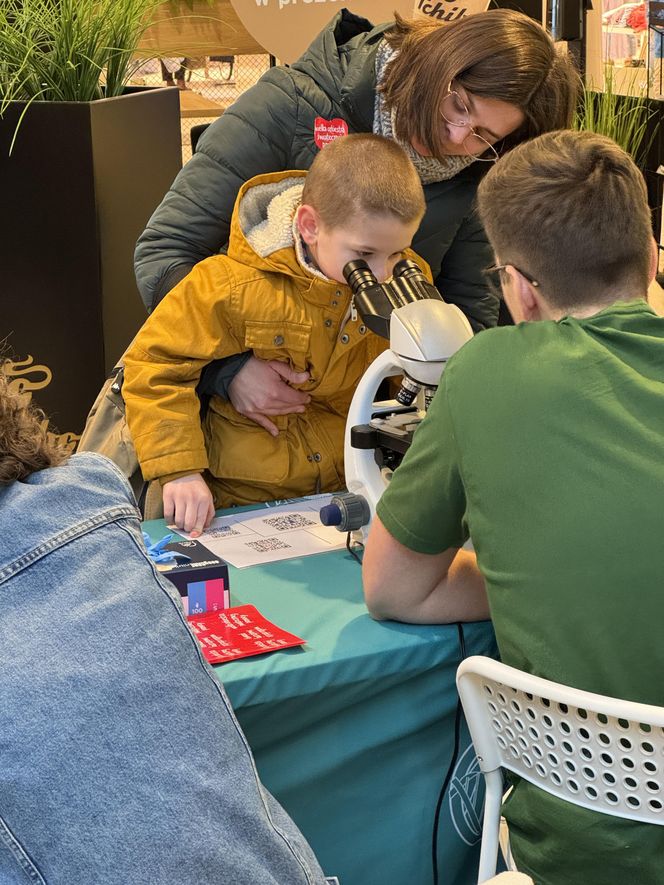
x=238 y=449
x=278 y=340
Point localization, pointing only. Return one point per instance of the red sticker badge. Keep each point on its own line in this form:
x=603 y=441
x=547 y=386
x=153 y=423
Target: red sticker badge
x=327 y=130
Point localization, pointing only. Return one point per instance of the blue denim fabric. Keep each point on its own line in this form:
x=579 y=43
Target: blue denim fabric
x=120 y=758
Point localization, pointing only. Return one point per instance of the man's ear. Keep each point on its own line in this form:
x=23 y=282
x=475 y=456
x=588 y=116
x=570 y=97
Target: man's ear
x=521 y=297
x=654 y=259
x=308 y=224
x=530 y=300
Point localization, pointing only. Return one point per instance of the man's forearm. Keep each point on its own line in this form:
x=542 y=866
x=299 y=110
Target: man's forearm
x=459 y=596
x=418 y=588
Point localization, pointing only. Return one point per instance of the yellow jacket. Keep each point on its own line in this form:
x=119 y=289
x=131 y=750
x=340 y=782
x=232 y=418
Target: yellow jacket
x=261 y=298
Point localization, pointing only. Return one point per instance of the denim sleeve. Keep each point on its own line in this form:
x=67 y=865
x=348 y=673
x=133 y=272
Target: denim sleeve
x=122 y=760
x=217 y=376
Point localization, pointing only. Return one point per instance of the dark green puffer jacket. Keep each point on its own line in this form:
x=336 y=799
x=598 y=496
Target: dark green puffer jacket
x=270 y=128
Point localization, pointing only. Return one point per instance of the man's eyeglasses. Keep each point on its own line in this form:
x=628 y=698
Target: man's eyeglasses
x=454 y=111
x=494 y=278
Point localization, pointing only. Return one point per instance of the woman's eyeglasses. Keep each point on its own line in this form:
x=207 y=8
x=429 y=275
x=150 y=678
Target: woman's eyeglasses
x=454 y=111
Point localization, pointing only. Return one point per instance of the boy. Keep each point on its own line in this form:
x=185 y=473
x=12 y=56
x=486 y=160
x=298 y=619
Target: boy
x=545 y=444
x=280 y=292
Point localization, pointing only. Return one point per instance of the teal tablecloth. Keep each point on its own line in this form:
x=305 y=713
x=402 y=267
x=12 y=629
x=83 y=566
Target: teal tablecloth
x=354 y=732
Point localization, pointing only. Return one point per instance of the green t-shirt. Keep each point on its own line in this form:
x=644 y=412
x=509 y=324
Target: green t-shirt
x=545 y=444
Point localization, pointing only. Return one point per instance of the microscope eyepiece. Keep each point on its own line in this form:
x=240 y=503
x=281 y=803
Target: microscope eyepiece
x=359 y=276
x=411 y=283
x=408 y=268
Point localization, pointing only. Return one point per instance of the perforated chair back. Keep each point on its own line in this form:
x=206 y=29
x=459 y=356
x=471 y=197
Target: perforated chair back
x=602 y=753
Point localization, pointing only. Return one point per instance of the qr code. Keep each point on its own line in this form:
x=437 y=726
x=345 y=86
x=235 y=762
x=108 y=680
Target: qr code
x=288 y=521
x=267 y=545
x=222 y=531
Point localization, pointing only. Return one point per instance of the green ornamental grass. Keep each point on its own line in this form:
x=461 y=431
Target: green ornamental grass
x=69 y=50
x=624 y=118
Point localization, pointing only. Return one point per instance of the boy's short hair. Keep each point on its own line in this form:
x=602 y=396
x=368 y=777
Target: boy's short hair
x=570 y=209
x=363 y=174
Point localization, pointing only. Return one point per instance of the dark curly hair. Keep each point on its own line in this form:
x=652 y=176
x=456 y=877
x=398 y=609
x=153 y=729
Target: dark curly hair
x=25 y=446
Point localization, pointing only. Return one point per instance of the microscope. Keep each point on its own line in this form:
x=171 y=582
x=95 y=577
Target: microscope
x=424 y=332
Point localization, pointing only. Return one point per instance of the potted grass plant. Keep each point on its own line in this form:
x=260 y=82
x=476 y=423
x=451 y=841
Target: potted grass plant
x=84 y=160
x=626 y=118
x=631 y=119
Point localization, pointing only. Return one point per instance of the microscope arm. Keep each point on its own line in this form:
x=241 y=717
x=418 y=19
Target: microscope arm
x=423 y=336
x=363 y=476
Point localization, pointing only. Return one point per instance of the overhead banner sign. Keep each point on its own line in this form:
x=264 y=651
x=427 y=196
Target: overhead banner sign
x=447 y=10
x=286 y=27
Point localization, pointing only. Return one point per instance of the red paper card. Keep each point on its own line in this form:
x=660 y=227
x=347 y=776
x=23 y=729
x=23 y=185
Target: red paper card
x=237 y=633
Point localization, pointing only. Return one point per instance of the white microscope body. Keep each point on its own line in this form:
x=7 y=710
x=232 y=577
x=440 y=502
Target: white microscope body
x=424 y=334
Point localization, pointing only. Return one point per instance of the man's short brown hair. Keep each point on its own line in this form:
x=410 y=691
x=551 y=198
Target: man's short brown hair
x=570 y=209
x=363 y=174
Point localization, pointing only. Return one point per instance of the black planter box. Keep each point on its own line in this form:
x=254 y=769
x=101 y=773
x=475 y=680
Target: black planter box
x=77 y=190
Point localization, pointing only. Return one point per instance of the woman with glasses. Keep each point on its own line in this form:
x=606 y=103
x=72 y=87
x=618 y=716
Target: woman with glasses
x=454 y=96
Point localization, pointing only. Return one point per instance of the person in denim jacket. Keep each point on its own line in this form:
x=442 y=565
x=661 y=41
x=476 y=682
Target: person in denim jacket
x=121 y=760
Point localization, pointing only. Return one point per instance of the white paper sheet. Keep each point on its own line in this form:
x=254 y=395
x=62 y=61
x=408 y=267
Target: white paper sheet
x=273 y=533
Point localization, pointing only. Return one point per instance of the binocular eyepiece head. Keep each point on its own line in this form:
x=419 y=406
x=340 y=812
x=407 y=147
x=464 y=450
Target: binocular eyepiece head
x=375 y=301
x=359 y=276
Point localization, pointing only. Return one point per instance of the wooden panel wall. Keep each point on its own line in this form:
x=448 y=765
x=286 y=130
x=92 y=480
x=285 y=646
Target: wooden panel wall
x=206 y=30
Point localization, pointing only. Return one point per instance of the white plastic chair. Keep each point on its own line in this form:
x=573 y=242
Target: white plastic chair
x=599 y=752
x=510 y=879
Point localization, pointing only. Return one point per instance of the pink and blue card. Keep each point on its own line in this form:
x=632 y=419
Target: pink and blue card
x=205 y=596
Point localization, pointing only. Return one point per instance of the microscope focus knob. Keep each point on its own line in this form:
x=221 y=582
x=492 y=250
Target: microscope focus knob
x=346 y=511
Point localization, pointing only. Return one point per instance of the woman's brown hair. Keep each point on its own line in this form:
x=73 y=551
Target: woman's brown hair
x=499 y=54
x=25 y=446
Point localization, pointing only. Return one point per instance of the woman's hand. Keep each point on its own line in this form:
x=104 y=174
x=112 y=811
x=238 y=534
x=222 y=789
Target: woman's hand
x=262 y=388
x=188 y=503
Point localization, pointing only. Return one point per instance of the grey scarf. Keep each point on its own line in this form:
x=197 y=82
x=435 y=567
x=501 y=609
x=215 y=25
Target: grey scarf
x=428 y=168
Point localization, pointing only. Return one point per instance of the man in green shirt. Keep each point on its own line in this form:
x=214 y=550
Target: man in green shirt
x=545 y=445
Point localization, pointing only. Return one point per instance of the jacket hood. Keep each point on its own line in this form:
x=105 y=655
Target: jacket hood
x=262 y=224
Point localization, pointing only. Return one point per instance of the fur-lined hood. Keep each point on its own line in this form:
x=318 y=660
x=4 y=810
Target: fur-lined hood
x=262 y=229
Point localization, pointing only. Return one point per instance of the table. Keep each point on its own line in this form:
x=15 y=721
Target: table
x=354 y=732
x=193 y=104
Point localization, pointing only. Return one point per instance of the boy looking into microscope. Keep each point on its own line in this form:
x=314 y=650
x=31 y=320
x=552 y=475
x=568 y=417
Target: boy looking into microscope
x=280 y=292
